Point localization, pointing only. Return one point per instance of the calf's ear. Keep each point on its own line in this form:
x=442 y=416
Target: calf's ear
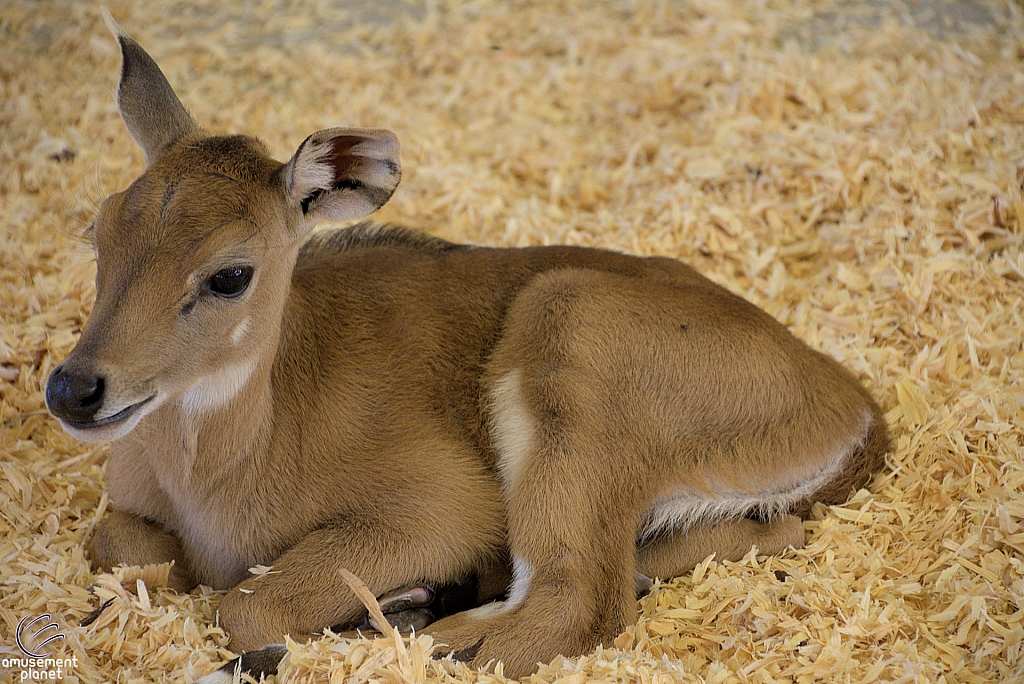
x=342 y=174
x=154 y=115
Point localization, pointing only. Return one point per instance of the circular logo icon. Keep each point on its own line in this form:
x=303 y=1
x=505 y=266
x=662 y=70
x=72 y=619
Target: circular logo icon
x=31 y=645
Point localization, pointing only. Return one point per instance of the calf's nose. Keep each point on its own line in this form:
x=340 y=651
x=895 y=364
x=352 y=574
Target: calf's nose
x=73 y=395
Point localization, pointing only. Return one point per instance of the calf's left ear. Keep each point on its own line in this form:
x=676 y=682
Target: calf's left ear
x=341 y=174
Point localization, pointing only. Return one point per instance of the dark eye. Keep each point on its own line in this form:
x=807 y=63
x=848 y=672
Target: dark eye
x=230 y=282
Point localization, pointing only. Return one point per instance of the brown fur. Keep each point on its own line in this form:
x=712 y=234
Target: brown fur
x=417 y=411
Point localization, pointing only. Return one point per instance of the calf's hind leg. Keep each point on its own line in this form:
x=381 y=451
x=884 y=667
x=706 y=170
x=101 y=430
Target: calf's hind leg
x=674 y=553
x=573 y=557
x=616 y=400
x=574 y=490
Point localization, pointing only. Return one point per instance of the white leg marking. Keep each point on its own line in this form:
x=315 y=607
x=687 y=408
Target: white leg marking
x=487 y=610
x=684 y=509
x=522 y=573
x=218 y=388
x=512 y=425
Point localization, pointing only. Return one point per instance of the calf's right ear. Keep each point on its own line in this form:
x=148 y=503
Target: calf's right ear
x=153 y=113
x=342 y=174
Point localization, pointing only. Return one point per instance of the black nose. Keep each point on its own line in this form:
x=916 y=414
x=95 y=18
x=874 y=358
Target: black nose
x=73 y=395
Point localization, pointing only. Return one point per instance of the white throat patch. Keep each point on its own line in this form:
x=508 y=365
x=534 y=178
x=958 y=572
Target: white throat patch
x=217 y=389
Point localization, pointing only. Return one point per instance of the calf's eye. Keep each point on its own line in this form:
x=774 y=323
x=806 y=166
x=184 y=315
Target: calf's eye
x=230 y=282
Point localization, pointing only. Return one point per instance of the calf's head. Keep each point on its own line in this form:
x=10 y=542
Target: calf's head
x=194 y=259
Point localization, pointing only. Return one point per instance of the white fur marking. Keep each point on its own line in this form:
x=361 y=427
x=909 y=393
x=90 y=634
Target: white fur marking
x=522 y=573
x=218 y=388
x=685 y=509
x=311 y=171
x=239 y=332
x=487 y=610
x=216 y=677
x=512 y=425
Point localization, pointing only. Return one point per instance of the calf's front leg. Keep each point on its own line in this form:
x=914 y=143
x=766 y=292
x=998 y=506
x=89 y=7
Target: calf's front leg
x=305 y=592
x=125 y=539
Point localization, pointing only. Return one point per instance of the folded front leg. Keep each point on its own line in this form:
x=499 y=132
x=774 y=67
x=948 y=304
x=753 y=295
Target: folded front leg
x=305 y=592
x=125 y=539
x=406 y=610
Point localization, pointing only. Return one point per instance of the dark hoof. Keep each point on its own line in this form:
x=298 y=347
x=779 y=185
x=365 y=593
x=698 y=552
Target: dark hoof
x=417 y=607
x=643 y=584
x=416 y=597
x=256 y=664
x=405 y=621
x=467 y=654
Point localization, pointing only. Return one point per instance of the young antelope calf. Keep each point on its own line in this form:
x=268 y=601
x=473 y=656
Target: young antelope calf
x=418 y=411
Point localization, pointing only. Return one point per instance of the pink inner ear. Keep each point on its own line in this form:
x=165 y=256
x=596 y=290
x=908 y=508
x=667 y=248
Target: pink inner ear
x=358 y=165
x=341 y=159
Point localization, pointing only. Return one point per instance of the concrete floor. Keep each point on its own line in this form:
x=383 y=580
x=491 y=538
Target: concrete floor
x=943 y=18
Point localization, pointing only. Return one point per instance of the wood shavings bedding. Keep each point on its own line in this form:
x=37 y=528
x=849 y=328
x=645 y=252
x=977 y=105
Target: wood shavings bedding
x=859 y=178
